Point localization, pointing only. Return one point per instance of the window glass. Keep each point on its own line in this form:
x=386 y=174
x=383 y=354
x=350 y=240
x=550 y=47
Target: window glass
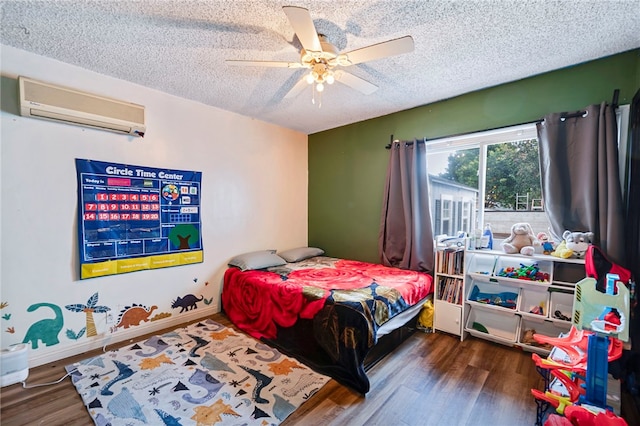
x=513 y=176
x=488 y=177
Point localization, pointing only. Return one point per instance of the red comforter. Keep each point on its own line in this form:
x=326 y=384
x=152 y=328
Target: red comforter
x=260 y=300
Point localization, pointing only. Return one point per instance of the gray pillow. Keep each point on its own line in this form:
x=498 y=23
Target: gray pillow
x=257 y=260
x=300 y=253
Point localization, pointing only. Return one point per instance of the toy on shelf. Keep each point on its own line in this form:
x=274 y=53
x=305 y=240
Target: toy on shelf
x=522 y=240
x=524 y=272
x=528 y=338
x=547 y=246
x=537 y=309
x=558 y=314
x=479 y=327
x=505 y=299
x=574 y=244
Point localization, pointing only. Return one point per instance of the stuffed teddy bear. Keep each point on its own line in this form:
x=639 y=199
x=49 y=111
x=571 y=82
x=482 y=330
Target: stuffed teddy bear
x=574 y=244
x=522 y=240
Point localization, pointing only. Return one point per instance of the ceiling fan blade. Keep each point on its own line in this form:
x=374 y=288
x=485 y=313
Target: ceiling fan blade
x=302 y=24
x=277 y=64
x=354 y=82
x=297 y=88
x=394 y=47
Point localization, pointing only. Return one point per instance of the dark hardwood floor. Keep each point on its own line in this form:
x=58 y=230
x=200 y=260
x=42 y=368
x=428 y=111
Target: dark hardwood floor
x=431 y=379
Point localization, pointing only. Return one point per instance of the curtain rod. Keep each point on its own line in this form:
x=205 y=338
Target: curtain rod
x=564 y=115
x=464 y=133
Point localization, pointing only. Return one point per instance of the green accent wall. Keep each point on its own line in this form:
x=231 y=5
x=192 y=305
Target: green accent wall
x=348 y=165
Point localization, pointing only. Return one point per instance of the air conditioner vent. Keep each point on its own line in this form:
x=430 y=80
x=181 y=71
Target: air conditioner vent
x=44 y=100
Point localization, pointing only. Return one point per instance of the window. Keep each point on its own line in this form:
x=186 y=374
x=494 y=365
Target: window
x=486 y=177
x=446 y=214
x=465 y=216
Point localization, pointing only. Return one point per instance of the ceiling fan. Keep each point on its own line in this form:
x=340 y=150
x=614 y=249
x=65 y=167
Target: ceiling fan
x=323 y=60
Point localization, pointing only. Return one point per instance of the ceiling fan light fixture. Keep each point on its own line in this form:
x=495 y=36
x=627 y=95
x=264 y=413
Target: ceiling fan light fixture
x=323 y=59
x=330 y=78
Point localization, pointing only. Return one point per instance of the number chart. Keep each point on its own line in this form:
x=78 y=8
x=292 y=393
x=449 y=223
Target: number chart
x=132 y=218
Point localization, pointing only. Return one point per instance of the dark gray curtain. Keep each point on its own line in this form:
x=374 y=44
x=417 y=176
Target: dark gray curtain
x=580 y=180
x=632 y=190
x=406 y=238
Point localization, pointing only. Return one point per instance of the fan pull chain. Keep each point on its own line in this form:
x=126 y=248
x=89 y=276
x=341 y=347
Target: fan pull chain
x=313 y=96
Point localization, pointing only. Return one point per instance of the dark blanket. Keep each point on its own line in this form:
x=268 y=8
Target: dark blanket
x=325 y=311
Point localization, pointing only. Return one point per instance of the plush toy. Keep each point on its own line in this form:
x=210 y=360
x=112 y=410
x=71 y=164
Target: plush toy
x=522 y=240
x=547 y=246
x=574 y=244
x=562 y=251
x=578 y=242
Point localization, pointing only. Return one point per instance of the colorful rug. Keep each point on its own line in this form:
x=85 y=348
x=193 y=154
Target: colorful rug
x=204 y=374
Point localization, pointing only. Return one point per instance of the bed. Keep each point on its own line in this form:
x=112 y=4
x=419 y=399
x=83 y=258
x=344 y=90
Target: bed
x=329 y=313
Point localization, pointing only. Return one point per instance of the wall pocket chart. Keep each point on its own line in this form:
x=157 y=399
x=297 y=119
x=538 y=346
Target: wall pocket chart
x=132 y=218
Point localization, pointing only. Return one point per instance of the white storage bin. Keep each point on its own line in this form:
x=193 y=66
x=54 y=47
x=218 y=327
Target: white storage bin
x=533 y=302
x=508 y=267
x=561 y=306
x=493 y=295
x=481 y=264
x=500 y=327
x=529 y=326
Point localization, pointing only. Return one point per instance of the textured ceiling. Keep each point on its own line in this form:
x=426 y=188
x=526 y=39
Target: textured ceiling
x=180 y=47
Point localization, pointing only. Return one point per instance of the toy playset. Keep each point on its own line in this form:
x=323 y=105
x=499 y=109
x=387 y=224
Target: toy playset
x=576 y=371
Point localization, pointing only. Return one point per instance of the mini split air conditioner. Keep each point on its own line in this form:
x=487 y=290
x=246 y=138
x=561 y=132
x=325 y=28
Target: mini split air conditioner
x=44 y=100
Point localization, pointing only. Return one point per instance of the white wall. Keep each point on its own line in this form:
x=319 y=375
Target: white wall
x=254 y=196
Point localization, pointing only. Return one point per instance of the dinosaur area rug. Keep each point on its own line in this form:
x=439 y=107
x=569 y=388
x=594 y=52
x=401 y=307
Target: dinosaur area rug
x=204 y=374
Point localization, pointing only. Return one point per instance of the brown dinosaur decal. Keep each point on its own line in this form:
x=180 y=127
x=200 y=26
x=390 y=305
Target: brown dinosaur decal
x=134 y=315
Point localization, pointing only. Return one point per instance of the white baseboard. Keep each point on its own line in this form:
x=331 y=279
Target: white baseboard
x=36 y=359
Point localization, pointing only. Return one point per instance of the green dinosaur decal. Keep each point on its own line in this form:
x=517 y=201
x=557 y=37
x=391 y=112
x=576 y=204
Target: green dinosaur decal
x=46 y=330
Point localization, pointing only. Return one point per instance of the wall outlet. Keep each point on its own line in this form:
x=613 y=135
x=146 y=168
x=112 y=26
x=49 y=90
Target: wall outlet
x=109 y=319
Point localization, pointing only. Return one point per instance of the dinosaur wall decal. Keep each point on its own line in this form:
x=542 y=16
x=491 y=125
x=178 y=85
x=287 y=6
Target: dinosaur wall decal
x=186 y=302
x=46 y=330
x=134 y=315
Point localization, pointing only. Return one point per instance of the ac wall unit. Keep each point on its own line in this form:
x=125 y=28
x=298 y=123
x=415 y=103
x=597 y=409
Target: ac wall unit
x=51 y=102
